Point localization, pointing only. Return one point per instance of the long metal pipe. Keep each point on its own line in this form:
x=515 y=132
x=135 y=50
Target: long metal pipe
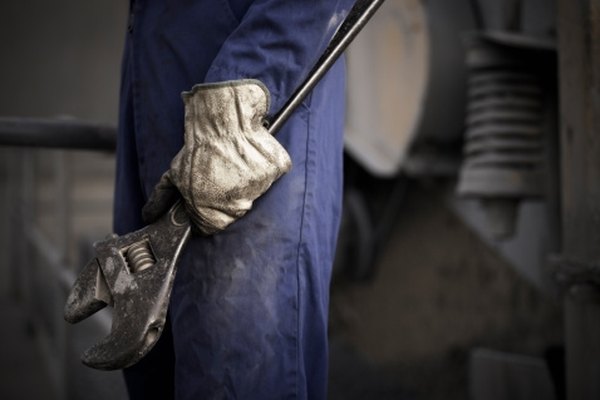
x=57 y=133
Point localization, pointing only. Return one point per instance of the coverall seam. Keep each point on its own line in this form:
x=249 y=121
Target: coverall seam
x=229 y=11
x=299 y=253
x=136 y=98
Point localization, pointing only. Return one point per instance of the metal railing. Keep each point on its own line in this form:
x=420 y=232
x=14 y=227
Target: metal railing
x=55 y=203
x=57 y=133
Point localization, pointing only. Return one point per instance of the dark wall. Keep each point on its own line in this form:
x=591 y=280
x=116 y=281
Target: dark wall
x=61 y=57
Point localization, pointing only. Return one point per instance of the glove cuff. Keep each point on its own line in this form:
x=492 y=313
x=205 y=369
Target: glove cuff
x=223 y=104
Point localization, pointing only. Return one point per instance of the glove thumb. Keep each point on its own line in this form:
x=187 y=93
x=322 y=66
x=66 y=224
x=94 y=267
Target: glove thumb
x=164 y=195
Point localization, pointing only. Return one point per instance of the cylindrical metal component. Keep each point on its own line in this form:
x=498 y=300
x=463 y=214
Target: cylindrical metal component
x=504 y=155
x=504 y=147
x=57 y=133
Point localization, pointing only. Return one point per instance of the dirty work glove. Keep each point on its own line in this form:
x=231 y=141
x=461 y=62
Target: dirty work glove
x=228 y=158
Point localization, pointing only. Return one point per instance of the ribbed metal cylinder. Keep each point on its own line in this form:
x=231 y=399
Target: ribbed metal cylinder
x=503 y=152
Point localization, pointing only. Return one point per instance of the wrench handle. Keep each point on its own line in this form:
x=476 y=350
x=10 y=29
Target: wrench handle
x=357 y=18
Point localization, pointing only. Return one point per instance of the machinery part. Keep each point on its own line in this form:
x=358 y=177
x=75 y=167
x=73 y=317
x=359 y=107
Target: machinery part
x=504 y=147
x=135 y=272
x=355 y=249
x=368 y=219
x=571 y=272
x=406 y=85
x=495 y=375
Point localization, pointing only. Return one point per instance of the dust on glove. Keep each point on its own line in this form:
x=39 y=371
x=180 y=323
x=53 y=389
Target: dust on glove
x=228 y=158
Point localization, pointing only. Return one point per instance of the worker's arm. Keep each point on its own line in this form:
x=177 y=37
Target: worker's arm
x=277 y=42
x=229 y=159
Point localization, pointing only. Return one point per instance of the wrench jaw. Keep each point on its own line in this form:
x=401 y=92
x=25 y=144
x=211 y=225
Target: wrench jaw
x=88 y=295
x=135 y=327
x=122 y=350
x=135 y=274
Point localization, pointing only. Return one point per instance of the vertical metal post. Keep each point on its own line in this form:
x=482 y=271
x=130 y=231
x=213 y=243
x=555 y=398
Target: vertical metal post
x=582 y=325
x=62 y=207
x=14 y=245
x=5 y=249
x=24 y=210
x=578 y=24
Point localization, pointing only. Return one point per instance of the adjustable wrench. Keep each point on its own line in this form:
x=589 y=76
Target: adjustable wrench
x=134 y=273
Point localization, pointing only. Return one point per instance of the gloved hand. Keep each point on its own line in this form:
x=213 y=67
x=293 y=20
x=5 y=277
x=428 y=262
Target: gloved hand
x=228 y=159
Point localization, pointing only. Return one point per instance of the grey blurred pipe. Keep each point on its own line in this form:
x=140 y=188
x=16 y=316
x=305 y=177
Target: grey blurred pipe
x=57 y=133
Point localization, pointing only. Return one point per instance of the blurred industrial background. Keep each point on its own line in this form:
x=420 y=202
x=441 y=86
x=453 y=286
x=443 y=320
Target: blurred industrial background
x=467 y=264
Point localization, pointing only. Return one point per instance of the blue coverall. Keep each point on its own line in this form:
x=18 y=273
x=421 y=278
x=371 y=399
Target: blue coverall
x=248 y=313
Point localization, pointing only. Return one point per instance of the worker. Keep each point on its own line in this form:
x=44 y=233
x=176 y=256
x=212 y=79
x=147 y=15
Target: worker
x=248 y=311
